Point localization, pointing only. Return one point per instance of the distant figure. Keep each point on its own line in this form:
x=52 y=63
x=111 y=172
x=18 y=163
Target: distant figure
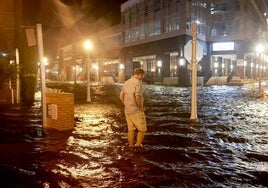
x=131 y=96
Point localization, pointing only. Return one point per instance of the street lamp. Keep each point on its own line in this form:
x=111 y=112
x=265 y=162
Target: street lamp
x=88 y=46
x=259 y=50
x=45 y=60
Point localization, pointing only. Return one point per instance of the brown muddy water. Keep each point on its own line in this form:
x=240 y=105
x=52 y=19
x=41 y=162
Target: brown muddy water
x=227 y=147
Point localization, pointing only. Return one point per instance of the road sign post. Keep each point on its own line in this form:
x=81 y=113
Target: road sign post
x=43 y=73
x=193 y=52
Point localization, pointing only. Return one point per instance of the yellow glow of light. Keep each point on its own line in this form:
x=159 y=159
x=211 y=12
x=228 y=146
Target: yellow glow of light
x=121 y=66
x=96 y=67
x=45 y=60
x=88 y=45
x=259 y=48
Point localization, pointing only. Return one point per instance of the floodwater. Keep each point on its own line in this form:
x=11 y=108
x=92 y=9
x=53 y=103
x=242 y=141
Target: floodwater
x=227 y=147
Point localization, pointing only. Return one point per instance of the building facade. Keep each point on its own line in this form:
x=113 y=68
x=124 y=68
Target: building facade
x=156 y=31
x=104 y=58
x=153 y=34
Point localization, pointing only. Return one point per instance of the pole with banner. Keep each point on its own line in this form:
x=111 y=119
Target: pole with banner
x=43 y=72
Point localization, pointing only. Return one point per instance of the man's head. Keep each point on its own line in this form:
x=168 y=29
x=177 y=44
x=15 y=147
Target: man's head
x=139 y=73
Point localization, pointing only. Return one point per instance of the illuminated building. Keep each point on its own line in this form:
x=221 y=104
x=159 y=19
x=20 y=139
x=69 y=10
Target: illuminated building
x=153 y=33
x=157 y=30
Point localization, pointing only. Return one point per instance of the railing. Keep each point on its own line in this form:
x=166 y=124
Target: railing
x=207 y=76
x=230 y=76
x=114 y=78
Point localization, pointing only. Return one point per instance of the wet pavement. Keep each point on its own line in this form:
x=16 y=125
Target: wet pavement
x=227 y=147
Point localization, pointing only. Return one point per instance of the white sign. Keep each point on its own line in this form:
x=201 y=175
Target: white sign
x=188 y=51
x=52 y=111
x=223 y=46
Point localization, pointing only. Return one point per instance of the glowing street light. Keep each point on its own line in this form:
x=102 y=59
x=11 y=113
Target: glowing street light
x=259 y=49
x=45 y=60
x=88 y=47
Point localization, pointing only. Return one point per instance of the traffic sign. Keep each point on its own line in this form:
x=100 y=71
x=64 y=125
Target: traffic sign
x=188 y=51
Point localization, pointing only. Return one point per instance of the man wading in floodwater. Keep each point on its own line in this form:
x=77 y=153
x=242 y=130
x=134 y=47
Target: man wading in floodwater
x=132 y=97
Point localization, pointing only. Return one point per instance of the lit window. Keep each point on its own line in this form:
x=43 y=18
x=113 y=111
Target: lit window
x=223 y=46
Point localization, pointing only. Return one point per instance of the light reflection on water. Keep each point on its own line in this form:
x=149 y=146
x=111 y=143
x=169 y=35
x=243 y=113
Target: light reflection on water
x=227 y=147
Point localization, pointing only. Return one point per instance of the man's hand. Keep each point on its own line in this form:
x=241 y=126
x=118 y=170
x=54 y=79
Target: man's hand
x=139 y=102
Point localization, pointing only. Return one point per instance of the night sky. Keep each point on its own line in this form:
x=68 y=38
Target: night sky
x=65 y=21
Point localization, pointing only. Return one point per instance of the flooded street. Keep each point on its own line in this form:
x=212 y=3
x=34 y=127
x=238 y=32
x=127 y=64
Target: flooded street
x=227 y=147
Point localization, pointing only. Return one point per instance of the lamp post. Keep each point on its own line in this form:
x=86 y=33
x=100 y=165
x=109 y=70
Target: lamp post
x=259 y=50
x=88 y=46
x=18 y=76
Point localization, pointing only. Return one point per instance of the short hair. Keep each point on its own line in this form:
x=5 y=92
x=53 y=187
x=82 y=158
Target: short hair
x=139 y=71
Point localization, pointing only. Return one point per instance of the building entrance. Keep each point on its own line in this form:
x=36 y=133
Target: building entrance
x=222 y=65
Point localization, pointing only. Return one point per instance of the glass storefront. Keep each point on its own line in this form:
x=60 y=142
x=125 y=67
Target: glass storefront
x=222 y=65
x=173 y=66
